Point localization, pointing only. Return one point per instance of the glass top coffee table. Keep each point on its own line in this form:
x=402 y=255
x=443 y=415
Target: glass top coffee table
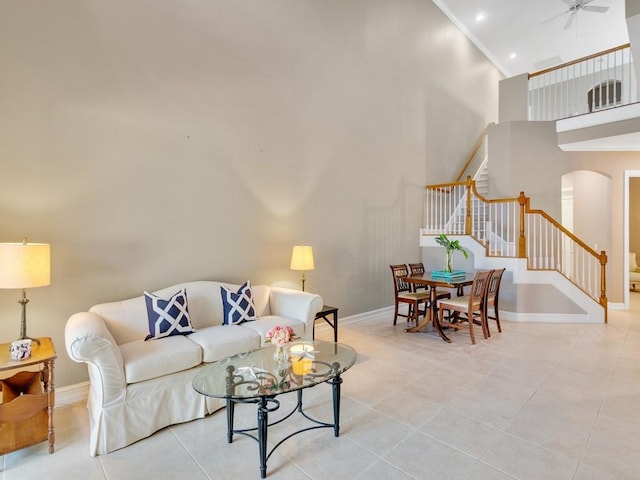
x=259 y=377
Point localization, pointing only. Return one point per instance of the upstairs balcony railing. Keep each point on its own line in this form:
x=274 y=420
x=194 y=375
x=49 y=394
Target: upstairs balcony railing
x=508 y=227
x=599 y=81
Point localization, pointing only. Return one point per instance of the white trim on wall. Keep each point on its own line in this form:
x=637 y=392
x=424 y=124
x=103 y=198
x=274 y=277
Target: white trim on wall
x=72 y=393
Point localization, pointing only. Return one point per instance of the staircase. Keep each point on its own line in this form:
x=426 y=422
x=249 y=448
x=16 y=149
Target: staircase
x=531 y=244
x=482 y=178
x=536 y=249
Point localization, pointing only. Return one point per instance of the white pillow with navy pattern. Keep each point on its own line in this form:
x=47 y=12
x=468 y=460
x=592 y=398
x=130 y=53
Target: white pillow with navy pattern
x=237 y=306
x=168 y=317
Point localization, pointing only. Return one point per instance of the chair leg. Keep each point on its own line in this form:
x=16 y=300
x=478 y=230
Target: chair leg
x=395 y=314
x=497 y=319
x=416 y=313
x=470 y=322
x=484 y=320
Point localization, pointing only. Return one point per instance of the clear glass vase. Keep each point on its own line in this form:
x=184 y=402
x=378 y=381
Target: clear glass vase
x=281 y=354
x=448 y=264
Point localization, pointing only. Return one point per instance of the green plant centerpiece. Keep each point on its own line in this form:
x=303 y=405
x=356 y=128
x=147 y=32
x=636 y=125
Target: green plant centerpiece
x=450 y=246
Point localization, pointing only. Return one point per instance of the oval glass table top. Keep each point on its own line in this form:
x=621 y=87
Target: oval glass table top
x=265 y=372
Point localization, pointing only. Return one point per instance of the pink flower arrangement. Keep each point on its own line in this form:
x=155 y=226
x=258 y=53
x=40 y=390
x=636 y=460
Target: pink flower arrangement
x=280 y=335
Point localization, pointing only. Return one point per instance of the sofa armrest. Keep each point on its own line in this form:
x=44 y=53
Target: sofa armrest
x=88 y=340
x=295 y=304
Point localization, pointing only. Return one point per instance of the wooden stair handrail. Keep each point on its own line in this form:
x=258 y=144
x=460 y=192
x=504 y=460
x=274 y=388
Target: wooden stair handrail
x=601 y=256
x=580 y=60
x=565 y=231
x=476 y=147
x=525 y=208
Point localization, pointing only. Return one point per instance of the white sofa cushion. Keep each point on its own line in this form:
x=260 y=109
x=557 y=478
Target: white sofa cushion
x=222 y=341
x=268 y=322
x=145 y=360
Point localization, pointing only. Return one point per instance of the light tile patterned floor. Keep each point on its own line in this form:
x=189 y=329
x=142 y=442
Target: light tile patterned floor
x=536 y=402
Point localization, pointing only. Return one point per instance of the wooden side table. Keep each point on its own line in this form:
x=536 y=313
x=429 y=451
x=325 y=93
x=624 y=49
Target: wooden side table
x=28 y=399
x=326 y=312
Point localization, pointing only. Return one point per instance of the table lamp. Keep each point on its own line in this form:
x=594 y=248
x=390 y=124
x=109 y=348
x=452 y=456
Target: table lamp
x=24 y=265
x=302 y=259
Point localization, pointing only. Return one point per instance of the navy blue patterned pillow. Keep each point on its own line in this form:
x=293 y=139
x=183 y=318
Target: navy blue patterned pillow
x=238 y=306
x=168 y=317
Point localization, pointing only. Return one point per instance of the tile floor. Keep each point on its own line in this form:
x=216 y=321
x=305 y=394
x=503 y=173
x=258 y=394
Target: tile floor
x=536 y=402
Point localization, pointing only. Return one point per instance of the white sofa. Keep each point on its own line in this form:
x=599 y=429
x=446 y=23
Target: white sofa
x=138 y=387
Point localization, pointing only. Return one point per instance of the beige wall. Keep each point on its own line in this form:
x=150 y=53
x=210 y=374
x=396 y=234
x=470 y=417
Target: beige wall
x=592 y=208
x=523 y=156
x=541 y=298
x=613 y=165
x=157 y=142
x=513 y=101
x=632 y=7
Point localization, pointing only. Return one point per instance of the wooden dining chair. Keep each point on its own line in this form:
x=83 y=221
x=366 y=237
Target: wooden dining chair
x=469 y=308
x=493 y=291
x=418 y=269
x=404 y=294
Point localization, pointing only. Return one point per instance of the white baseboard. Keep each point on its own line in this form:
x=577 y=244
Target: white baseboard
x=72 y=393
x=382 y=312
x=546 y=317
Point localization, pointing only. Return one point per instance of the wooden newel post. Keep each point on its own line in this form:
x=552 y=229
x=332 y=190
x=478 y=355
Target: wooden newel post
x=603 y=283
x=468 y=219
x=522 y=239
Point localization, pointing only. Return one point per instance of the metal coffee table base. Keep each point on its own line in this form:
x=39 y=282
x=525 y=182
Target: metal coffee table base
x=267 y=404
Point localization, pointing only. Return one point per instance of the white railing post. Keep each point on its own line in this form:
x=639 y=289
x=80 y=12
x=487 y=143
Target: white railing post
x=596 y=81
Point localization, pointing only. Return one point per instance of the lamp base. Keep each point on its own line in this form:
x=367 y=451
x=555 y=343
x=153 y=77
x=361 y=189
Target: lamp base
x=23 y=320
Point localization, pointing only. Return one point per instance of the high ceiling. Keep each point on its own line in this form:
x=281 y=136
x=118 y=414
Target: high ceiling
x=525 y=36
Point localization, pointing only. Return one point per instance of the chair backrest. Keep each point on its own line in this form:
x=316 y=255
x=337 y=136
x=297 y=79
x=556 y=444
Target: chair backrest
x=479 y=289
x=417 y=268
x=633 y=266
x=494 y=284
x=400 y=285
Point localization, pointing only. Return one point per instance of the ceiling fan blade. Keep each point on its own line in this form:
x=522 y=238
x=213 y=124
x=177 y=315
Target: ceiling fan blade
x=595 y=8
x=567 y=25
x=569 y=3
x=555 y=16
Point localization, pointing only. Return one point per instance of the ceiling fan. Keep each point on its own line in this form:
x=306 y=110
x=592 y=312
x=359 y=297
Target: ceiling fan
x=574 y=7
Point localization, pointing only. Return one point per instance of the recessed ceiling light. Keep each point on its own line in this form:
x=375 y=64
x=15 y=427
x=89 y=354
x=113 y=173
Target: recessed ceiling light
x=480 y=17
x=513 y=55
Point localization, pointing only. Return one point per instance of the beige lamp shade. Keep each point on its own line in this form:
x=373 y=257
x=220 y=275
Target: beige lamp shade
x=302 y=258
x=25 y=265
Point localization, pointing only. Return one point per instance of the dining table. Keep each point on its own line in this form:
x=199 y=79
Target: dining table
x=432 y=282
